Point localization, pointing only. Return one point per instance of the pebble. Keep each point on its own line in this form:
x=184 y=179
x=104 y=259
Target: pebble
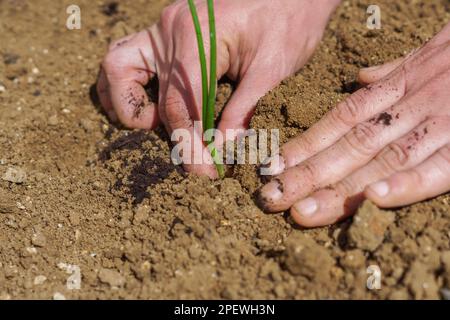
x=58 y=296
x=140 y=215
x=445 y=293
x=15 y=175
x=2 y=88
x=111 y=277
x=53 y=120
x=31 y=250
x=87 y=125
x=39 y=240
x=39 y=280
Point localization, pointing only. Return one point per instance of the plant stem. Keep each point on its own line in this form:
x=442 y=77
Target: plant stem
x=208 y=95
x=202 y=55
x=212 y=86
x=212 y=66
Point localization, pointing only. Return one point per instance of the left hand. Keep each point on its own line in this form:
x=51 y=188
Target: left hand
x=388 y=142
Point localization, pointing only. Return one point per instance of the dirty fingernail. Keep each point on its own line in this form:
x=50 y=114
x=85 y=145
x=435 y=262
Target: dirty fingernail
x=306 y=207
x=381 y=188
x=273 y=166
x=270 y=193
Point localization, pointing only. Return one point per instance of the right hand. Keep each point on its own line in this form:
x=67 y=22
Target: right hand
x=259 y=43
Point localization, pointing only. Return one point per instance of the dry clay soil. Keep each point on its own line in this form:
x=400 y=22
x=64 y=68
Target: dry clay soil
x=84 y=202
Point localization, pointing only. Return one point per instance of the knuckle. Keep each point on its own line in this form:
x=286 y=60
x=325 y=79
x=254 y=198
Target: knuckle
x=175 y=113
x=394 y=157
x=345 y=187
x=308 y=172
x=112 y=62
x=168 y=15
x=417 y=177
x=303 y=143
x=445 y=154
x=349 y=110
x=362 y=139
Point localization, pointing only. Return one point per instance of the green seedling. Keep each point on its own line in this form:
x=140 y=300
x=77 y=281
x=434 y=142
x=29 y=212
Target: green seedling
x=208 y=93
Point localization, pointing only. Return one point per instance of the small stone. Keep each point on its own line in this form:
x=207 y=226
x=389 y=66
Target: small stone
x=15 y=175
x=7 y=204
x=445 y=293
x=111 y=277
x=2 y=88
x=58 y=296
x=369 y=226
x=194 y=252
x=87 y=125
x=20 y=205
x=140 y=215
x=39 y=240
x=31 y=250
x=74 y=218
x=53 y=120
x=39 y=280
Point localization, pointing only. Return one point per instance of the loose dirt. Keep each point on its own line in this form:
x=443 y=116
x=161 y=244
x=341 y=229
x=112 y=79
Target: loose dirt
x=85 y=202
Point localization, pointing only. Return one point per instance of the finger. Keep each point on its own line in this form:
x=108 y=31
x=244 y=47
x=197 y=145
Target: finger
x=413 y=74
x=359 y=107
x=427 y=180
x=336 y=202
x=127 y=69
x=376 y=73
x=350 y=153
x=181 y=106
x=104 y=95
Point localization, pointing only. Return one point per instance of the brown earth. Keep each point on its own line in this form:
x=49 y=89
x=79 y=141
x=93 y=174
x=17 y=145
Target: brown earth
x=108 y=200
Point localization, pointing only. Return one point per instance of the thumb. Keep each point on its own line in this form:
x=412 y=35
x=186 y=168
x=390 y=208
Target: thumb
x=376 y=73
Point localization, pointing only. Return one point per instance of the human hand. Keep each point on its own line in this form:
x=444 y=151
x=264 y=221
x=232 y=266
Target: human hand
x=388 y=142
x=259 y=43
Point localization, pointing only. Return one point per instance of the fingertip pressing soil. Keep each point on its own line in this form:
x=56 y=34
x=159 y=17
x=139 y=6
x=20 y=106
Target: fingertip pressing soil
x=84 y=193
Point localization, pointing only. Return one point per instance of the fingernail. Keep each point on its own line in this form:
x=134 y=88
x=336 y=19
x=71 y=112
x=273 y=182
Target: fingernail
x=271 y=192
x=306 y=207
x=273 y=166
x=381 y=188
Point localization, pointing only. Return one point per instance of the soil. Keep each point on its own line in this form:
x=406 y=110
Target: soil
x=80 y=196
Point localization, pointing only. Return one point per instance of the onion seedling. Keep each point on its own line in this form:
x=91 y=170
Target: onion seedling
x=208 y=94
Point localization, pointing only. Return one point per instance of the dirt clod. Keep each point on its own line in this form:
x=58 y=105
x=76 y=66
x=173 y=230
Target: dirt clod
x=303 y=256
x=369 y=226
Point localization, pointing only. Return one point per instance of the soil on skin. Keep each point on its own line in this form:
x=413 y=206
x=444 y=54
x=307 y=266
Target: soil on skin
x=78 y=192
